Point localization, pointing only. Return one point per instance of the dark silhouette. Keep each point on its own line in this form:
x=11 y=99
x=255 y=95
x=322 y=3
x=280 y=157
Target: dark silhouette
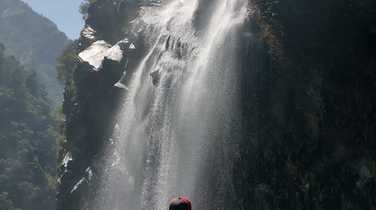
x=180 y=203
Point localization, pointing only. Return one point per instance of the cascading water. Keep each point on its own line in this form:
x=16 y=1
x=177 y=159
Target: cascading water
x=180 y=104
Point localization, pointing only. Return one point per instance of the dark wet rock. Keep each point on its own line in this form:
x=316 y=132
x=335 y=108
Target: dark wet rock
x=156 y=77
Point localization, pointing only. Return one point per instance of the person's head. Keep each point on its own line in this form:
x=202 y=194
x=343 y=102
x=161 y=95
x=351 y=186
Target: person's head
x=180 y=203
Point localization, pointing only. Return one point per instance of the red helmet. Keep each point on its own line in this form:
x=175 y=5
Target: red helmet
x=180 y=203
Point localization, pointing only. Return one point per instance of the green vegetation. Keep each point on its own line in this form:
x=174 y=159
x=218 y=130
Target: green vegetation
x=67 y=62
x=27 y=140
x=35 y=41
x=85 y=7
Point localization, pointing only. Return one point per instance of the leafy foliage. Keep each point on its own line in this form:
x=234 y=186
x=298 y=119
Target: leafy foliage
x=67 y=62
x=84 y=7
x=34 y=40
x=27 y=140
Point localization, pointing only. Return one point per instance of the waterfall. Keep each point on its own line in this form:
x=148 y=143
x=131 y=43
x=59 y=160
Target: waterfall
x=181 y=103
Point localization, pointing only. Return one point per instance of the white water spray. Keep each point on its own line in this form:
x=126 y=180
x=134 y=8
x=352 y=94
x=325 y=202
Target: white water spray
x=165 y=129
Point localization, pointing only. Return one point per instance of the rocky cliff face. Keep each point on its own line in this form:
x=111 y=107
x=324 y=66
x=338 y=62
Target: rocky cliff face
x=307 y=135
x=34 y=40
x=99 y=60
x=313 y=136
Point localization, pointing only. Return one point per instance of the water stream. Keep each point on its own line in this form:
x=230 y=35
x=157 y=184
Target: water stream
x=180 y=105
